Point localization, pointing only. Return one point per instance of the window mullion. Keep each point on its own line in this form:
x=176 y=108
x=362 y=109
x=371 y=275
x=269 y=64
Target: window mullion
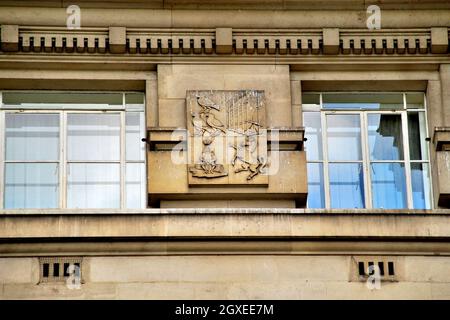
x=409 y=196
x=122 y=161
x=428 y=146
x=326 y=178
x=63 y=160
x=2 y=155
x=366 y=160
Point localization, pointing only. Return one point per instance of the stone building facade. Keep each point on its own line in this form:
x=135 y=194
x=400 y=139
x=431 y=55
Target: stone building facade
x=192 y=149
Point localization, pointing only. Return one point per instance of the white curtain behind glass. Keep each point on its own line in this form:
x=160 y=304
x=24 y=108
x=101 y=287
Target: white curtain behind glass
x=96 y=138
x=31 y=139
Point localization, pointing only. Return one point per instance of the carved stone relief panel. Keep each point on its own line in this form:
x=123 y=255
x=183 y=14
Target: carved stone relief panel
x=227 y=137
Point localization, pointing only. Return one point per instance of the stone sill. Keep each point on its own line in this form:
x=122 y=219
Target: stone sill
x=225 y=224
x=220 y=211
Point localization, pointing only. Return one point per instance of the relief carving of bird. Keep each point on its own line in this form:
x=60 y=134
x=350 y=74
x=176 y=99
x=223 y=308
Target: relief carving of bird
x=207 y=104
x=214 y=123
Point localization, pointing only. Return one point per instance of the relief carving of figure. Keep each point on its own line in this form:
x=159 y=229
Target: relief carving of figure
x=208 y=126
x=236 y=115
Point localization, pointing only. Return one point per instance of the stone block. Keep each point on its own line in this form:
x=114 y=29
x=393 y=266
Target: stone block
x=172 y=113
x=224 y=40
x=439 y=40
x=151 y=102
x=427 y=269
x=10 y=38
x=443 y=168
x=175 y=80
x=117 y=39
x=19 y=270
x=331 y=40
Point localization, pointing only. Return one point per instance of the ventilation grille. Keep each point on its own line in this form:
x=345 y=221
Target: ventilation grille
x=388 y=268
x=368 y=269
x=59 y=269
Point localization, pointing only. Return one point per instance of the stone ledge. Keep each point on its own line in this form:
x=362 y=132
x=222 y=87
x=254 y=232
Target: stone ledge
x=227 y=226
x=223 y=211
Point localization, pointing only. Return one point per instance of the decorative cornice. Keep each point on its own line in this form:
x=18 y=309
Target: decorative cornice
x=239 y=4
x=149 y=247
x=225 y=41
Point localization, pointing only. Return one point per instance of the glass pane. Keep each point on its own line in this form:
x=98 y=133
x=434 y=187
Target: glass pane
x=360 y=101
x=93 y=136
x=76 y=98
x=418 y=148
x=388 y=185
x=135 y=131
x=346 y=185
x=313 y=133
x=31 y=185
x=415 y=100
x=385 y=137
x=316 y=194
x=344 y=137
x=134 y=98
x=32 y=136
x=135 y=185
x=420 y=178
x=311 y=102
x=93 y=185
x=311 y=98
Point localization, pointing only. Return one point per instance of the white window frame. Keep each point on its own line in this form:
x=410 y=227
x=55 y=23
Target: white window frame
x=63 y=161
x=365 y=152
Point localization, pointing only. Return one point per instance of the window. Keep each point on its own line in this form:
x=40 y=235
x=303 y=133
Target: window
x=72 y=150
x=367 y=150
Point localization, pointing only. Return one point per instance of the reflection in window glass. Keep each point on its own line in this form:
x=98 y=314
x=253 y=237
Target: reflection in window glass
x=93 y=185
x=388 y=185
x=32 y=137
x=135 y=98
x=344 y=137
x=420 y=178
x=313 y=134
x=93 y=136
x=385 y=137
x=31 y=185
x=346 y=185
x=316 y=195
x=370 y=131
x=363 y=101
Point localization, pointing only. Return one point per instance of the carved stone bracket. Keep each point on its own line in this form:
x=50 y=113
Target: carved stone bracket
x=165 y=139
x=441 y=140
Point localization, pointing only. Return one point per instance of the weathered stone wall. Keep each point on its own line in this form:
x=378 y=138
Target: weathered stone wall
x=213 y=253
x=227 y=277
